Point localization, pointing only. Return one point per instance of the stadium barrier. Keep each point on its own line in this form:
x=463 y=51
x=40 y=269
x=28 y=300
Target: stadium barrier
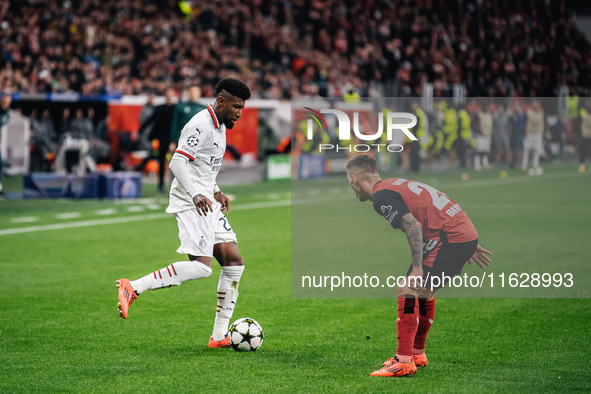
x=263 y=123
x=112 y=185
x=278 y=167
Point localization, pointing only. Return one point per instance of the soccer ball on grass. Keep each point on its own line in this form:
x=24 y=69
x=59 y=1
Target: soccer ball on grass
x=246 y=335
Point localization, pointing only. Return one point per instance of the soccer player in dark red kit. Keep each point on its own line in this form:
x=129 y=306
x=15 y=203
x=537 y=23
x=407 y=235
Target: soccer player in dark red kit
x=442 y=239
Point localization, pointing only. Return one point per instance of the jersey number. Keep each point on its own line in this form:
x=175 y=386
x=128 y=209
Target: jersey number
x=439 y=200
x=225 y=224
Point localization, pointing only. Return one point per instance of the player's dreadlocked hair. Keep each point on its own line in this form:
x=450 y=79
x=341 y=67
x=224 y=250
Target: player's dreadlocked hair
x=233 y=86
x=362 y=163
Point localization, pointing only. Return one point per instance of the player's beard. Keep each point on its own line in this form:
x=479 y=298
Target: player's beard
x=229 y=124
x=361 y=196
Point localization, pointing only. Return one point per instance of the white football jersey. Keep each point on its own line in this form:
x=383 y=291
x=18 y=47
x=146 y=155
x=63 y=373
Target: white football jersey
x=203 y=142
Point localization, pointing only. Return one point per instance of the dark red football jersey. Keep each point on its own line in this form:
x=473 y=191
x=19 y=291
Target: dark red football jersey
x=395 y=197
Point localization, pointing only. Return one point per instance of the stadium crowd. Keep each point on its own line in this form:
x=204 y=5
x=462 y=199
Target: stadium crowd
x=298 y=48
x=292 y=48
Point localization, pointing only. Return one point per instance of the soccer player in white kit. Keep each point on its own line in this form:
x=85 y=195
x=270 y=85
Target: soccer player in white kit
x=198 y=206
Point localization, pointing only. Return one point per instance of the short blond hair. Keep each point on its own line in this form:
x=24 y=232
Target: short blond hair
x=362 y=164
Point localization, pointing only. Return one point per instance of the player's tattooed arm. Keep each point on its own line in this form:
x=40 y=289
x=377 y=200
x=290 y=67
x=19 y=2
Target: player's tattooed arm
x=414 y=234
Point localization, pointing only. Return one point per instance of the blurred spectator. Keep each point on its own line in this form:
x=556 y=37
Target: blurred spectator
x=43 y=141
x=436 y=135
x=462 y=143
x=147 y=111
x=483 y=138
x=517 y=123
x=450 y=129
x=100 y=146
x=422 y=134
x=47 y=124
x=183 y=112
x=500 y=134
x=66 y=124
x=557 y=136
x=5 y=102
x=74 y=153
x=161 y=121
x=533 y=140
x=319 y=136
x=585 y=144
x=81 y=127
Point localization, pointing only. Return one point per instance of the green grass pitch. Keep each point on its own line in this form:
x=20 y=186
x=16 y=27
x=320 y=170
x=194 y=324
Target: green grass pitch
x=60 y=331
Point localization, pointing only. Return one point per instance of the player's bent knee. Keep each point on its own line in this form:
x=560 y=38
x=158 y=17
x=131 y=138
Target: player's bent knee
x=201 y=270
x=426 y=293
x=205 y=260
x=402 y=291
x=234 y=262
x=234 y=259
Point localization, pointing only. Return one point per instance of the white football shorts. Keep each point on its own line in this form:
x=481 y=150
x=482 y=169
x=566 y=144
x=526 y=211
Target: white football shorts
x=198 y=234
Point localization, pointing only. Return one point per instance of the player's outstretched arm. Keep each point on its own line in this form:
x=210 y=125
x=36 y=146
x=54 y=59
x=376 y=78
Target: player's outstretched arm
x=414 y=234
x=480 y=257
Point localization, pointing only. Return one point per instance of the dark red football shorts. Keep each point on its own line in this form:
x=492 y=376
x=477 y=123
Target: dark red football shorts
x=444 y=259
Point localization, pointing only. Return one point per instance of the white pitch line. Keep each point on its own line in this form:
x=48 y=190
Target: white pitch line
x=511 y=180
x=258 y=205
x=68 y=215
x=86 y=223
x=107 y=211
x=271 y=204
x=127 y=219
x=24 y=219
x=135 y=208
x=324 y=197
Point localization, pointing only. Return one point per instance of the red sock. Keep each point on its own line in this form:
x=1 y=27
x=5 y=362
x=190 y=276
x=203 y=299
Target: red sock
x=426 y=316
x=406 y=324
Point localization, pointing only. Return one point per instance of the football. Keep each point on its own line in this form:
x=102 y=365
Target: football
x=246 y=335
